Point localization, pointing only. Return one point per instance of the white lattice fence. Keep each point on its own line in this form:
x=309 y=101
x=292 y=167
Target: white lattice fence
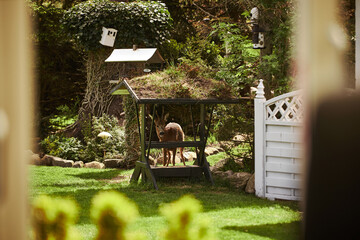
x=278 y=145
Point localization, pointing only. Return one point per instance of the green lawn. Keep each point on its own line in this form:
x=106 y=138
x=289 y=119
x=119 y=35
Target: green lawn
x=233 y=214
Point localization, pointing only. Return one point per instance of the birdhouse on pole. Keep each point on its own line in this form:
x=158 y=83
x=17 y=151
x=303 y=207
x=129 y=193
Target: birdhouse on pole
x=258 y=39
x=108 y=36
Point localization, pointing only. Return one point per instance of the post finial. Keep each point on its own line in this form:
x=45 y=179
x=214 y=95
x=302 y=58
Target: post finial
x=260 y=90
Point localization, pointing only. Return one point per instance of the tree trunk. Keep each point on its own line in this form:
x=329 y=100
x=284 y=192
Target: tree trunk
x=97 y=99
x=132 y=143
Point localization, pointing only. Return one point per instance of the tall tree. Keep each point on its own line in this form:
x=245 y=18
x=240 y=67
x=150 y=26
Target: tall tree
x=141 y=23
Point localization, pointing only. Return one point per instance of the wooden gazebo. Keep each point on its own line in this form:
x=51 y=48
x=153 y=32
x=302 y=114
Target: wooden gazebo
x=154 y=90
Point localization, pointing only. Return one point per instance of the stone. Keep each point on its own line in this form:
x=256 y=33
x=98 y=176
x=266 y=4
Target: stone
x=250 y=186
x=220 y=174
x=240 y=138
x=220 y=164
x=78 y=164
x=35 y=160
x=190 y=156
x=211 y=151
x=94 y=164
x=123 y=164
x=159 y=160
x=111 y=163
x=240 y=179
x=29 y=152
x=151 y=161
x=228 y=174
x=47 y=160
x=239 y=161
x=59 y=162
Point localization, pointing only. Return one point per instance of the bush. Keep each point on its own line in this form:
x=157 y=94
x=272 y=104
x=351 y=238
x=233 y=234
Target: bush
x=67 y=148
x=97 y=148
x=94 y=148
x=183 y=222
x=54 y=218
x=113 y=212
x=139 y=22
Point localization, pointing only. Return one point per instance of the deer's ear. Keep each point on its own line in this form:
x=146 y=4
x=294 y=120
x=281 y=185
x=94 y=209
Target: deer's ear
x=166 y=117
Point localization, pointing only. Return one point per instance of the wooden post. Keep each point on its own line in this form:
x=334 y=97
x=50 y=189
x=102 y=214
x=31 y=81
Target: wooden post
x=259 y=140
x=16 y=120
x=357 y=44
x=202 y=135
x=142 y=132
x=142 y=167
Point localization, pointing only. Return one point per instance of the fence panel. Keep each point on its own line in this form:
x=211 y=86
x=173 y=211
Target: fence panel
x=278 y=123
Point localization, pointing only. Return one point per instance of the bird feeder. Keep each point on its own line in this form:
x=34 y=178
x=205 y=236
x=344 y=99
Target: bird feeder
x=258 y=38
x=104 y=135
x=108 y=36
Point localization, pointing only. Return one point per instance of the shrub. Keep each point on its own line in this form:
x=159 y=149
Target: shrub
x=182 y=221
x=97 y=148
x=53 y=218
x=67 y=148
x=139 y=22
x=113 y=212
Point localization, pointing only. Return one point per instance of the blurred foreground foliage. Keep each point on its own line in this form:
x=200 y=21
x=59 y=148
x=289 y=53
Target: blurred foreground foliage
x=113 y=213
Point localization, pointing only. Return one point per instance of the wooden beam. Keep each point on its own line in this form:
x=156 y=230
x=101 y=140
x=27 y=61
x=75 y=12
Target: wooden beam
x=357 y=44
x=173 y=144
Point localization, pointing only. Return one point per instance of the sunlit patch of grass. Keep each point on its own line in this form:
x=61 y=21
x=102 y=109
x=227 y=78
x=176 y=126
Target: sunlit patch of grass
x=233 y=214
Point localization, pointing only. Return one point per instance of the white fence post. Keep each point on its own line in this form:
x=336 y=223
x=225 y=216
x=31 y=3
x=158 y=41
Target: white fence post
x=259 y=140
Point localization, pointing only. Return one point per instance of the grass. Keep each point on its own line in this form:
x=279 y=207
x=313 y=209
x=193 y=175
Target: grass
x=233 y=214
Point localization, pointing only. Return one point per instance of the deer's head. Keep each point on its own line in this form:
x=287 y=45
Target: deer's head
x=160 y=124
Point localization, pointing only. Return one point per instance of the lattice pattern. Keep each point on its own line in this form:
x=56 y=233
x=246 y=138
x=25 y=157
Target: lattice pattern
x=289 y=109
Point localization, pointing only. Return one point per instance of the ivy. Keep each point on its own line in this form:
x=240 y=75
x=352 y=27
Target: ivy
x=142 y=23
x=238 y=66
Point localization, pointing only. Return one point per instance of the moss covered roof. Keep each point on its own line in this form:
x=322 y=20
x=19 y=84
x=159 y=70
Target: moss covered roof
x=176 y=87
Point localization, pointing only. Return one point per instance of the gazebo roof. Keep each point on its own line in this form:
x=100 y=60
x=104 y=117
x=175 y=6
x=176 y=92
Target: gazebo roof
x=156 y=88
x=149 y=55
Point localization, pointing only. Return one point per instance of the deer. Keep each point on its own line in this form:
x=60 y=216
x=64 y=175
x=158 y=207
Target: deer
x=169 y=132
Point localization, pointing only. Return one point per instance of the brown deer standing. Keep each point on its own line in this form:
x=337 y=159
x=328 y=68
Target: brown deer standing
x=169 y=132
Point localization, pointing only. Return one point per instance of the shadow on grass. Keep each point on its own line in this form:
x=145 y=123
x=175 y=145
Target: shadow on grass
x=279 y=231
x=96 y=175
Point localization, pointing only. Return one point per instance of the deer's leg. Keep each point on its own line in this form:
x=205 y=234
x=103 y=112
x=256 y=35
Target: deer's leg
x=182 y=155
x=164 y=156
x=174 y=155
x=168 y=157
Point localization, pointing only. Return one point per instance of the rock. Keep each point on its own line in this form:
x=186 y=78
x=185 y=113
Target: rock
x=111 y=163
x=240 y=138
x=151 y=161
x=47 y=160
x=228 y=174
x=220 y=174
x=94 y=164
x=29 y=152
x=250 y=186
x=59 y=162
x=190 y=156
x=159 y=160
x=221 y=164
x=211 y=151
x=239 y=162
x=240 y=179
x=78 y=164
x=123 y=164
x=35 y=160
